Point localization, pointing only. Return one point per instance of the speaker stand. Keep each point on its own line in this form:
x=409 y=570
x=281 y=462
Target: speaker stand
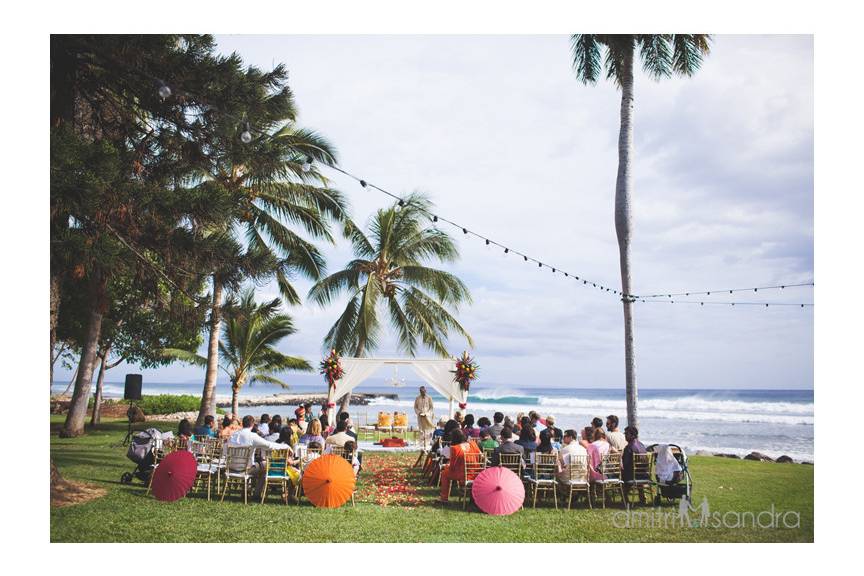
x=129 y=430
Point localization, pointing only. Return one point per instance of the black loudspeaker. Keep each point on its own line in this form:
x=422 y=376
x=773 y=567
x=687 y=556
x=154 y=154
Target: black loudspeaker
x=132 y=390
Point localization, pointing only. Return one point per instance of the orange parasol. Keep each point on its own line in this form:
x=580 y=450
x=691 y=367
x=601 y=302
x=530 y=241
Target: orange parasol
x=328 y=481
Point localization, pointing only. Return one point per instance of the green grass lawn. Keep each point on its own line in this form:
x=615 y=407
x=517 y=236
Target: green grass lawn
x=125 y=514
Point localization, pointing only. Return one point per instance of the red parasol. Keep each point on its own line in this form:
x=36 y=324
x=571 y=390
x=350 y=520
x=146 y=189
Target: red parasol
x=174 y=476
x=328 y=481
x=498 y=491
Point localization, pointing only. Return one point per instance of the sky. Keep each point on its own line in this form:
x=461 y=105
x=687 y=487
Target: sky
x=504 y=139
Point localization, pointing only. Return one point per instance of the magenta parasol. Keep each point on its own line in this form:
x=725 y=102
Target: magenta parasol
x=498 y=491
x=174 y=476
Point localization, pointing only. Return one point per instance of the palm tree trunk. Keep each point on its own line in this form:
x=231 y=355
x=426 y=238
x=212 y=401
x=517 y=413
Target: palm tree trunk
x=55 y=311
x=623 y=228
x=208 y=397
x=96 y=418
x=74 y=425
x=236 y=385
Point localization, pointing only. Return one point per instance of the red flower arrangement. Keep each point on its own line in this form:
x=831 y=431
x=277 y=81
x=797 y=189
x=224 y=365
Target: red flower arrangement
x=331 y=369
x=466 y=371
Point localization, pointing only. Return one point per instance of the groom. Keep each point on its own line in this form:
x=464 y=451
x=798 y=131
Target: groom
x=425 y=416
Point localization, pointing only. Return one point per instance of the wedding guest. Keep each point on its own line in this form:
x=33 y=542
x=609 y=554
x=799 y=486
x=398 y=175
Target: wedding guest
x=486 y=441
x=507 y=446
x=184 y=430
x=593 y=453
x=571 y=447
x=633 y=446
x=497 y=425
x=313 y=433
x=600 y=441
x=209 y=427
x=264 y=425
x=468 y=427
x=616 y=439
x=454 y=471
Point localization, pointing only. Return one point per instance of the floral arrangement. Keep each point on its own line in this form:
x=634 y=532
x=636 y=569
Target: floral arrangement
x=331 y=368
x=466 y=371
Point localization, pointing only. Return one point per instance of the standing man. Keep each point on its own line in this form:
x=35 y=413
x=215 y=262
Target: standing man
x=425 y=415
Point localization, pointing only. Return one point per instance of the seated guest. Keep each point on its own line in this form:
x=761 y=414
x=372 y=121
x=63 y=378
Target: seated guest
x=517 y=424
x=600 y=441
x=545 y=444
x=468 y=427
x=300 y=416
x=507 y=446
x=633 y=446
x=483 y=423
x=275 y=428
x=615 y=438
x=307 y=409
x=351 y=449
x=245 y=437
x=497 y=425
x=570 y=447
x=555 y=436
x=527 y=438
x=313 y=433
x=597 y=423
x=509 y=423
x=230 y=425
x=536 y=421
x=184 y=430
x=454 y=471
x=486 y=440
x=459 y=418
x=325 y=426
x=349 y=424
x=264 y=425
x=208 y=429
x=314 y=451
x=341 y=436
x=439 y=430
x=593 y=453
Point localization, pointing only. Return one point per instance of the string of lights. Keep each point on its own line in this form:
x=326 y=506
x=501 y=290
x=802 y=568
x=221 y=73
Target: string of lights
x=246 y=136
x=726 y=290
x=489 y=242
x=709 y=303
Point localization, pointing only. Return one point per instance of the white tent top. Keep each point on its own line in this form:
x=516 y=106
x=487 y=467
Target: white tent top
x=436 y=372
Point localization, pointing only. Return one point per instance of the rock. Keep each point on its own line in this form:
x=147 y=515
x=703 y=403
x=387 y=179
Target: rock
x=784 y=460
x=728 y=456
x=135 y=414
x=176 y=416
x=758 y=456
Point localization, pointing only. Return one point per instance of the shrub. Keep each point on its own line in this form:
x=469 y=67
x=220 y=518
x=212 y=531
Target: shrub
x=169 y=403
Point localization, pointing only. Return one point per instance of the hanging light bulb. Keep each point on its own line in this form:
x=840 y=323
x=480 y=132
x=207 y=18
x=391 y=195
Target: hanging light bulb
x=526 y=258
x=434 y=218
x=464 y=230
x=401 y=203
x=363 y=183
x=506 y=250
x=307 y=165
x=539 y=264
x=164 y=91
x=246 y=135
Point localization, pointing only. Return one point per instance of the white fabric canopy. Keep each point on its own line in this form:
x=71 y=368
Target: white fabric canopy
x=436 y=372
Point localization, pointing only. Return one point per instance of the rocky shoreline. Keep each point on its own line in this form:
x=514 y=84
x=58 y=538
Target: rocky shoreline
x=359 y=399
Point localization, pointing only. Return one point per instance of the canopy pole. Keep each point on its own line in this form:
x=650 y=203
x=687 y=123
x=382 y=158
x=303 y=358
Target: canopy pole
x=451 y=408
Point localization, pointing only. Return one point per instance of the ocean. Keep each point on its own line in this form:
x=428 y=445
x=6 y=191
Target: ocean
x=773 y=422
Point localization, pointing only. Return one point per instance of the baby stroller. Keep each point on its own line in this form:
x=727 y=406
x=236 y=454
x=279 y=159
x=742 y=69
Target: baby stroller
x=671 y=473
x=141 y=451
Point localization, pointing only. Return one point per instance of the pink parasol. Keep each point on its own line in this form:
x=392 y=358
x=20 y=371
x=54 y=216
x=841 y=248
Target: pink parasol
x=498 y=491
x=174 y=476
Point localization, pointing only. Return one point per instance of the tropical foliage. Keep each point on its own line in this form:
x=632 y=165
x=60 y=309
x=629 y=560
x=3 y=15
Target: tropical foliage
x=247 y=348
x=390 y=273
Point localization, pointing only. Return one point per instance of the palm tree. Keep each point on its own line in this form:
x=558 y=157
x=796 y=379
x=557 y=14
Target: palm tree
x=389 y=272
x=248 y=345
x=662 y=56
x=272 y=185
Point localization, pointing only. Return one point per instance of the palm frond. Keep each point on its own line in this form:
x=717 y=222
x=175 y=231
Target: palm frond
x=183 y=356
x=446 y=287
x=585 y=51
x=327 y=289
x=656 y=54
x=688 y=51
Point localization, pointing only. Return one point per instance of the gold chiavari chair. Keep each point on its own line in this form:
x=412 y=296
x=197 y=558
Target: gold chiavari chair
x=238 y=467
x=575 y=479
x=475 y=463
x=610 y=468
x=542 y=477
x=276 y=473
x=643 y=465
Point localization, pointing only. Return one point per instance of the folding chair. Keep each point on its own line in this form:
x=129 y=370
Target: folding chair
x=160 y=450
